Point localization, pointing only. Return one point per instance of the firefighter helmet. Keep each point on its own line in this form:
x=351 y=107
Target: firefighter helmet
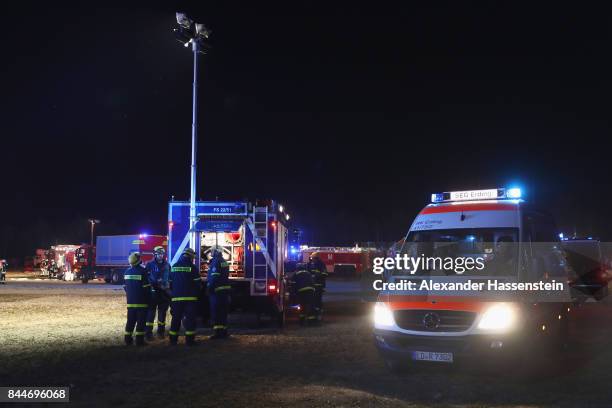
x=159 y=250
x=189 y=252
x=134 y=258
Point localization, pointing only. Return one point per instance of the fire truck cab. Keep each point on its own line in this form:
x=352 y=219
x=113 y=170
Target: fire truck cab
x=253 y=238
x=517 y=242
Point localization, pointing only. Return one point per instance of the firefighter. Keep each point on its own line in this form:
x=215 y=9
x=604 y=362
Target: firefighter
x=185 y=284
x=303 y=286
x=159 y=272
x=318 y=270
x=3 y=269
x=138 y=292
x=218 y=293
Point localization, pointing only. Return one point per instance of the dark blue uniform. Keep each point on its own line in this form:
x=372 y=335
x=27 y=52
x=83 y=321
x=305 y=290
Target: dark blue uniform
x=138 y=293
x=304 y=289
x=318 y=270
x=185 y=286
x=159 y=274
x=218 y=293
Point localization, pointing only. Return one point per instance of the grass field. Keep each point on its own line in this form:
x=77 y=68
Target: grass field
x=64 y=337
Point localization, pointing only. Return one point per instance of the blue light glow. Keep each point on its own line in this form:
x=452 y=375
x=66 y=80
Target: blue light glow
x=514 y=192
x=437 y=197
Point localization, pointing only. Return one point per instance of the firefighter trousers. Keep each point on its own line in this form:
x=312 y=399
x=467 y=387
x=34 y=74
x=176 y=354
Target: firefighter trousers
x=318 y=299
x=183 y=309
x=306 y=300
x=219 y=308
x=159 y=305
x=136 y=316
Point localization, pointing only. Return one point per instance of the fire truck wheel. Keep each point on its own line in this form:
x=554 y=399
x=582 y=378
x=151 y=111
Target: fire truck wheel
x=107 y=280
x=115 y=278
x=84 y=280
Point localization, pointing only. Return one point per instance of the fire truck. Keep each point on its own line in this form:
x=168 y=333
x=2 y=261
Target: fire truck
x=342 y=261
x=112 y=252
x=59 y=261
x=518 y=242
x=253 y=238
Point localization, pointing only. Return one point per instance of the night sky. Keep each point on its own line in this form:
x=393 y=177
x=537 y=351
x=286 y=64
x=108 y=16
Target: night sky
x=350 y=115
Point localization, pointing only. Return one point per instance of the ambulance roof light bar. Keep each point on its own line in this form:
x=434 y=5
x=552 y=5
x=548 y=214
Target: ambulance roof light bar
x=471 y=195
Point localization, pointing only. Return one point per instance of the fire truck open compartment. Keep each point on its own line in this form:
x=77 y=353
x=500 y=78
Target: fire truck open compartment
x=253 y=240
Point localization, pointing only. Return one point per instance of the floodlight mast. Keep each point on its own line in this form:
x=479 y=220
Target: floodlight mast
x=194 y=148
x=195 y=34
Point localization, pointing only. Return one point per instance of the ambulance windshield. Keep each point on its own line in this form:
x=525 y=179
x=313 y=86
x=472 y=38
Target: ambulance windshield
x=492 y=251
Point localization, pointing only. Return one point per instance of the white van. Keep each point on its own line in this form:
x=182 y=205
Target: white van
x=517 y=242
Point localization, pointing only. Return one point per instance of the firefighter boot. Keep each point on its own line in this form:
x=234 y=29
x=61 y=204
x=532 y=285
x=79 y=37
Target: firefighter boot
x=190 y=340
x=128 y=339
x=149 y=331
x=225 y=334
x=140 y=341
x=161 y=331
x=173 y=339
x=217 y=334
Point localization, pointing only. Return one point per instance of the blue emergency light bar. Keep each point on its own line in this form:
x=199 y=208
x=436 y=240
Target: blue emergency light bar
x=474 y=195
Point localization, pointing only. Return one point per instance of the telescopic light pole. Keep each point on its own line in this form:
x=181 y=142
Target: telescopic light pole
x=190 y=33
x=194 y=148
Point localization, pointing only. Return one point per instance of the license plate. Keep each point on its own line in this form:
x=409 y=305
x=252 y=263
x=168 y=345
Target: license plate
x=432 y=356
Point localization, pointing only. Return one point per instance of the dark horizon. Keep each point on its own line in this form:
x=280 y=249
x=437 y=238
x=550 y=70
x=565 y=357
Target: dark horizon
x=351 y=116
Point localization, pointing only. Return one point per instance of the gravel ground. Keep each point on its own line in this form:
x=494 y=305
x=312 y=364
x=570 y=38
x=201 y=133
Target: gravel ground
x=58 y=336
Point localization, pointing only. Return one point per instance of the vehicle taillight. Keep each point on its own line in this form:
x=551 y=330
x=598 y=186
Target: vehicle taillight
x=272 y=286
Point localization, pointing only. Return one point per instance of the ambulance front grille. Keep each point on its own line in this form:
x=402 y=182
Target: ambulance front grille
x=434 y=320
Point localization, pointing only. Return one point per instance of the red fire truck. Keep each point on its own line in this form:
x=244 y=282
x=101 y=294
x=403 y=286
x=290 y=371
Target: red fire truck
x=345 y=261
x=59 y=261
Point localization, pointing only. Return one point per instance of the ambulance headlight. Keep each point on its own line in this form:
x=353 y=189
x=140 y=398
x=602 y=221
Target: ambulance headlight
x=383 y=316
x=498 y=317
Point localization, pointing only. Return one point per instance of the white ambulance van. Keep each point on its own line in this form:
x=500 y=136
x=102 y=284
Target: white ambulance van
x=517 y=243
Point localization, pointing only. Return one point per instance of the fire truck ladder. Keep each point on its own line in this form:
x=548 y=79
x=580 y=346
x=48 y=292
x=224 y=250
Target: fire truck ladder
x=262 y=263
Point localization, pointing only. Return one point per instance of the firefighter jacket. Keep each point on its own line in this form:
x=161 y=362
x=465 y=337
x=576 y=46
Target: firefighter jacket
x=159 y=273
x=302 y=281
x=319 y=273
x=137 y=286
x=185 y=282
x=218 y=276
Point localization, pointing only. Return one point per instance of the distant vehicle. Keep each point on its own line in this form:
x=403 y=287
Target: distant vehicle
x=343 y=261
x=112 y=252
x=83 y=266
x=59 y=261
x=585 y=257
x=28 y=264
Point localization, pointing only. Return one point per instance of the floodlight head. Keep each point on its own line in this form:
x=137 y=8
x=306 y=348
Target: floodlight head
x=183 y=20
x=202 y=30
x=182 y=35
